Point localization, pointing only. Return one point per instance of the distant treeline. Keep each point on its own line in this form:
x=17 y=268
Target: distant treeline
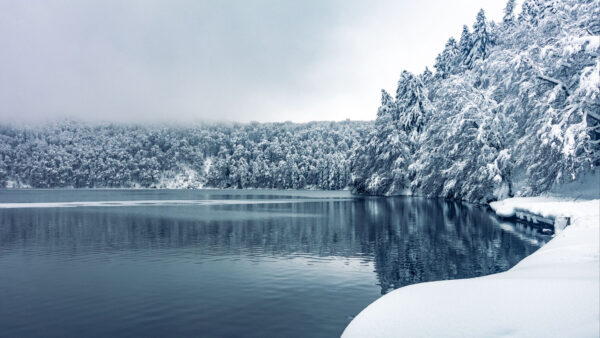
x=270 y=155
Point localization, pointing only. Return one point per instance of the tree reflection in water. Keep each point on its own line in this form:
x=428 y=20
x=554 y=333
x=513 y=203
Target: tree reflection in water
x=409 y=240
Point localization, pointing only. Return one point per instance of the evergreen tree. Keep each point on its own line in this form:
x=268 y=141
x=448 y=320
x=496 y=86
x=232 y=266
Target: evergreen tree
x=427 y=76
x=446 y=63
x=388 y=106
x=411 y=102
x=481 y=40
x=509 y=15
x=530 y=12
x=464 y=44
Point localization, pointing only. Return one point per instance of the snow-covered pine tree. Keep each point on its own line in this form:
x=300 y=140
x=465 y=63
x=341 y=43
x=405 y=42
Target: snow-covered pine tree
x=427 y=76
x=380 y=165
x=388 y=106
x=481 y=39
x=411 y=102
x=509 y=13
x=464 y=44
x=447 y=62
x=530 y=12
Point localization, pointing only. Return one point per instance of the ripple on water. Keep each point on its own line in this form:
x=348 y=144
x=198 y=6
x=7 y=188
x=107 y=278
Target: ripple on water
x=149 y=263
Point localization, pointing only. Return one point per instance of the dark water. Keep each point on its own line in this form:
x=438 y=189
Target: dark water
x=228 y=263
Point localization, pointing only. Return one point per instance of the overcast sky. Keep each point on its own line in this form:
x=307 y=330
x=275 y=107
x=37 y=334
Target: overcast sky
x=244 y=60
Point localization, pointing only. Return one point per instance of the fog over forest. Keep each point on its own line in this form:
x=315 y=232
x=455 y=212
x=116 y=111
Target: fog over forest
x=509 y=109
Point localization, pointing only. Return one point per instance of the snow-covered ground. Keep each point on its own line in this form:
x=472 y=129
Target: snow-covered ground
x=552 y=293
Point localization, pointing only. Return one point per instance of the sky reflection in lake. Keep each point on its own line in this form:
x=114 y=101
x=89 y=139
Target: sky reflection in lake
x=252 y=263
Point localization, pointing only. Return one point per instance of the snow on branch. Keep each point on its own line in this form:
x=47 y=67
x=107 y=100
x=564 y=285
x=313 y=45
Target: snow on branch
x=555 y=81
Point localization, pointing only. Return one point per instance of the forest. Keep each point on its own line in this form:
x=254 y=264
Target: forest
x=511 y=108
x=270 y=155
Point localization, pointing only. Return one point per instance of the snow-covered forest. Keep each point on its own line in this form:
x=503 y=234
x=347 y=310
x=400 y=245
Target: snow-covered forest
x=511 y=108
x=270 y=155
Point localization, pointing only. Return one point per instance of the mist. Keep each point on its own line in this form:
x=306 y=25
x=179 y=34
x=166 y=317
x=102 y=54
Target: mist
x=183 y=61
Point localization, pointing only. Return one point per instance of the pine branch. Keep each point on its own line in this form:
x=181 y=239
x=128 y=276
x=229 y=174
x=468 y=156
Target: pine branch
x=555 y=81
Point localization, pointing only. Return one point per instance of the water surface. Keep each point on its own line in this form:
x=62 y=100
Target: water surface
x=228 y=263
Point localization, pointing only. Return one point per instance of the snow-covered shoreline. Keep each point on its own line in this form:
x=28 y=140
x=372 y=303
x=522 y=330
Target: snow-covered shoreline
x=552 y=293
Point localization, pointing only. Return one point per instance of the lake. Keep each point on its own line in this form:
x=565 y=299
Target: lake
x=229 y=263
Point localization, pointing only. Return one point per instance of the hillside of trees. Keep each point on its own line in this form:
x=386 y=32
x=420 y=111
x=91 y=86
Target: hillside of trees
x=512 y=108
x=270 y=155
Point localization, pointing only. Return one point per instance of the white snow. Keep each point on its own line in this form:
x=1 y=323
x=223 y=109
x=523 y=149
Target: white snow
x=545 y=206
x=589 y=80
x=552 y=293
x=574 y=44
x=207 y=165
x=186 y=178
x=10 y=184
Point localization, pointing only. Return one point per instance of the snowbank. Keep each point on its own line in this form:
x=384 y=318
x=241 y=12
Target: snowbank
x=552 y=293
x=544 y=206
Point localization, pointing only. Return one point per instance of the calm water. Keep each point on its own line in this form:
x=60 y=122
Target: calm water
x=228 y=263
